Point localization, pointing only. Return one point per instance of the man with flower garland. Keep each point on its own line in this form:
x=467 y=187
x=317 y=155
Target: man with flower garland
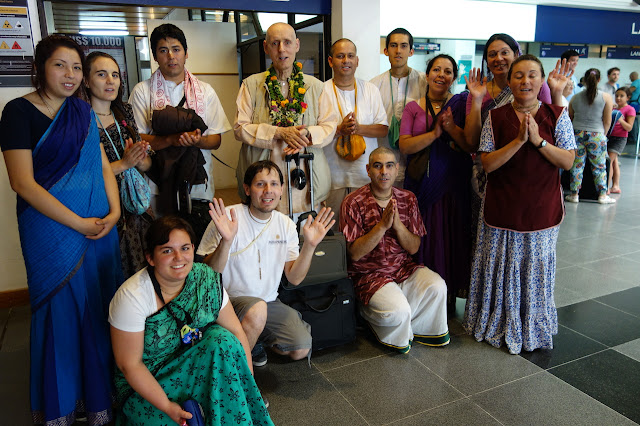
x=283 y=111
x=169 y=85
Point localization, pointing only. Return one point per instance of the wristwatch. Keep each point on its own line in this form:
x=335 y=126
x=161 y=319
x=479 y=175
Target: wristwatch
x=542 y=144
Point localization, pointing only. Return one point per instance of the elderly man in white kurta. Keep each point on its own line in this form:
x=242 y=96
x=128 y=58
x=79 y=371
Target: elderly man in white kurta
x=361 y=112
x=398 y=86
x=283 y=111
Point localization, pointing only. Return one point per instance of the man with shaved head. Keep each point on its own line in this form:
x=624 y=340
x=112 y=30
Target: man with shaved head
x=360 y=112
x=283 y=111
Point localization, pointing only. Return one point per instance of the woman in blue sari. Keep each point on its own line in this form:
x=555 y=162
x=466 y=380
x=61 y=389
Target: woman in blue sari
x=67 y=207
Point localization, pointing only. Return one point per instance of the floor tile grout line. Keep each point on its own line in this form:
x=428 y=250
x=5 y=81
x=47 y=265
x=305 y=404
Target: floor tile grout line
x=582 y=334
x=580 y=358
x=591 y=397
x=509 y=382
x=347 y=365
x=613 y=307
x=344 y=397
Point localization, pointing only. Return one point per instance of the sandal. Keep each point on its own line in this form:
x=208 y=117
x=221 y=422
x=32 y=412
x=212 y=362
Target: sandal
x=605 y=199
x=616 y=191
x=572 y=198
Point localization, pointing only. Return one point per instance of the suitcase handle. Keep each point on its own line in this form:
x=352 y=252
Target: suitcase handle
x=321 y=310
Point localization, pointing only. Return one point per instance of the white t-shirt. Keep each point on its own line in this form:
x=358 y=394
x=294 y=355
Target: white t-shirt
x=214 y=118
x=353 y=174
x=255 y=269
x=135 y=300
x=417 y=82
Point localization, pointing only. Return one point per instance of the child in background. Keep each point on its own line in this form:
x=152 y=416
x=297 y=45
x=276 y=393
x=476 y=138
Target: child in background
x=618 y=138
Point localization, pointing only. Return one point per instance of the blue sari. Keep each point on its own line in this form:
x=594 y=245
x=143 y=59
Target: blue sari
x=71 y=278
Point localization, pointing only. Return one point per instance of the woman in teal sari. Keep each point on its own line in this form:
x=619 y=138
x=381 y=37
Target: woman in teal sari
x=67 y=207
x=176 y=337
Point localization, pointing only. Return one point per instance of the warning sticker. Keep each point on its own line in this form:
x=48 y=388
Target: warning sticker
x=16 y=45
x=4 y=45
x=6 y=25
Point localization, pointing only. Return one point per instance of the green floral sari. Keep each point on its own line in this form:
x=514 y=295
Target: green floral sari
x=213 y=371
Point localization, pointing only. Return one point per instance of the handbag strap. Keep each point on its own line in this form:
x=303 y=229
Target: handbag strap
x=109 y=137
x=355 y=112
x=182 y=101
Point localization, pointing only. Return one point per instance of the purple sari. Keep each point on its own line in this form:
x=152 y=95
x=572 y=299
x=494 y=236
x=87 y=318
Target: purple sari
x=444 y=199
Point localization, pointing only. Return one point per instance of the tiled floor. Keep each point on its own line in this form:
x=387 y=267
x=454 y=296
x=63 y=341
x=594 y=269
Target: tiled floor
x=591 y=377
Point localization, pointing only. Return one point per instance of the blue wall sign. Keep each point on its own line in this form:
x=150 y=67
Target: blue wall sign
x=555 y=51
x=623 y=53
x=587 y=26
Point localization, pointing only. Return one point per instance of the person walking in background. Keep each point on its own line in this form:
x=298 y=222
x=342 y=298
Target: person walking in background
x=610 y=87
x=590 y=111
x=67 y=207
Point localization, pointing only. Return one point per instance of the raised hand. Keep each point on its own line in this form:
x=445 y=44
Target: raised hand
x=447 y=120
x=228 y=228
x=559 y=76
x=315 y=230
x=438 y=129
x=397 y=223
x=134 y=153
x=476 y=84
x=349 y=125
x=388 y=214
x=523 y=132
x=532 y=129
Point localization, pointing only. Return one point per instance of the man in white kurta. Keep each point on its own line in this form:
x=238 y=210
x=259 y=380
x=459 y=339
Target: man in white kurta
x=262 y=140
x=370 y=122
x=167 y=86
x=398 y=86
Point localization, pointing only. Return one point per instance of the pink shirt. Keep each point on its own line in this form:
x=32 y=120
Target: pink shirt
x=388 y=261
x=627 y=111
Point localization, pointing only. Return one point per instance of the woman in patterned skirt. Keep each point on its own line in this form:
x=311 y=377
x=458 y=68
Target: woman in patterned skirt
x=522 y=146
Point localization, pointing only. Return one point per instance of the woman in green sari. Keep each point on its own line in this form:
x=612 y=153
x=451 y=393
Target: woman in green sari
x=175 y=337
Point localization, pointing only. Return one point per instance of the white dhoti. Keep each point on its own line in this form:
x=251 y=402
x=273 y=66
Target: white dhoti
x=413 y=310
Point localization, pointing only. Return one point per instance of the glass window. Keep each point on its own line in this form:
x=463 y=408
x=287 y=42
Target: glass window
x=302 y=18
x=268 y=19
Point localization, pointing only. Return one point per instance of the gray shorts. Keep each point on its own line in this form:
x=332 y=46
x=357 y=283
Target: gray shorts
x=616 y=144
x=285 y=328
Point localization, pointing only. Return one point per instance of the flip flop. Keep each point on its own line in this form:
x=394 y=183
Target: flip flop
x=616 y=191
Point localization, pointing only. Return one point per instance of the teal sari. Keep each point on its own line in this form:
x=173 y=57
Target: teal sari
x=213 y=371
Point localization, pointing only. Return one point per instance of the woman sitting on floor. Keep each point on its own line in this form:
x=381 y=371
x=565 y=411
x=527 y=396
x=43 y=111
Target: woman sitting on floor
x=176 y=337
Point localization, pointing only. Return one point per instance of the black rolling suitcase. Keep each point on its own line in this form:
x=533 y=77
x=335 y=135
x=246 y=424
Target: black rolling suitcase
x=325 y=298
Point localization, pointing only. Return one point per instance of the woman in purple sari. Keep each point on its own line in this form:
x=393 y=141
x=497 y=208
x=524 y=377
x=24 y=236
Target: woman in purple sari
x=67 y=207
x=435 y=122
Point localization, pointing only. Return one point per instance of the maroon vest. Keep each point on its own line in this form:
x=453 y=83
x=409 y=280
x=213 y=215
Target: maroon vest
x=524 y=194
